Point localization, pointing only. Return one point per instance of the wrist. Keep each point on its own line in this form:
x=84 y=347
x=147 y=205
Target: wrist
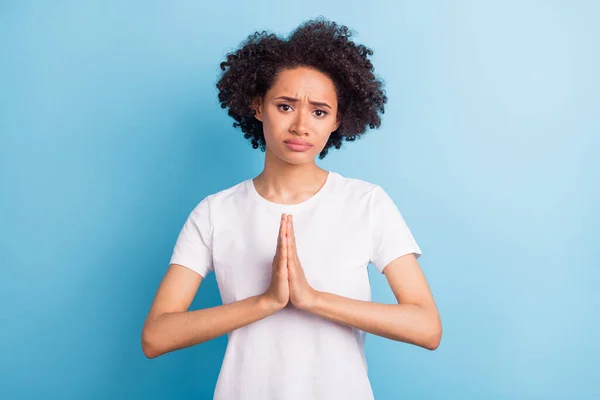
x=311 y=301
x=268 y=304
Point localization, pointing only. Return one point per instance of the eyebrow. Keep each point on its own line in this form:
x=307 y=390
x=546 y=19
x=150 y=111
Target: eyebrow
x=293 y=100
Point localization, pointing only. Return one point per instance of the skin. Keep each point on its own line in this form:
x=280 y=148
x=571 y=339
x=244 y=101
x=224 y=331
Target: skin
x=291 y=177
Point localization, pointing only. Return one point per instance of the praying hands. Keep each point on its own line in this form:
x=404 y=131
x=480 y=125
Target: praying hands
x=288 y=282
x=415 y=320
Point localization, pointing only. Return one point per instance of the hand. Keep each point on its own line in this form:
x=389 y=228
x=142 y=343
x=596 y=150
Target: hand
x=278 y=293
x=302 y=295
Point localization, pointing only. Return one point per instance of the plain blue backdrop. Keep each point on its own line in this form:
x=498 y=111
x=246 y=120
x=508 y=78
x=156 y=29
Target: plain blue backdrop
x=111 y=133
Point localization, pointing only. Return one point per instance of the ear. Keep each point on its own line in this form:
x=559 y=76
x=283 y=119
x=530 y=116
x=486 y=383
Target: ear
x=338 y=122
x=257 y=106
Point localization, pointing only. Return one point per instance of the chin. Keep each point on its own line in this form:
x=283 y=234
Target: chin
x=298 y=159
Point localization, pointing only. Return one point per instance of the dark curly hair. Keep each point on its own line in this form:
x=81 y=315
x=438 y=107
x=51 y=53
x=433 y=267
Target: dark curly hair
x=250 y=71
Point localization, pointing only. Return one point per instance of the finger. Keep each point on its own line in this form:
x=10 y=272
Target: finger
x=292 y=242
x=291 y=251
x=289 y=255
x=279 y=236
x=284 y=250
x=283 y=255
x=291 y=235
x=283 y=244
x=283 y=227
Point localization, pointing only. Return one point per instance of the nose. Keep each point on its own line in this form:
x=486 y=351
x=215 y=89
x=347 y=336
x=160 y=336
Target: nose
x=300 y=123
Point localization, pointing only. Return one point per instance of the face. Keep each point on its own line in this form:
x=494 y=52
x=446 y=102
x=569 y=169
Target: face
x=298 y=113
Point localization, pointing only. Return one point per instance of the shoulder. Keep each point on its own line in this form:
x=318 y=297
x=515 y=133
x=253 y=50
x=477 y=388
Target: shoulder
x=216 y=201
x=355 y=187
x=360 y=194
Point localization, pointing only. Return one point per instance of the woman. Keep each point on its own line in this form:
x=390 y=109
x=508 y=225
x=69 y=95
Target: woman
x=290 y=247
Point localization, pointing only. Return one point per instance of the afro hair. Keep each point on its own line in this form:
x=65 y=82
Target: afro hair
x=250 y=71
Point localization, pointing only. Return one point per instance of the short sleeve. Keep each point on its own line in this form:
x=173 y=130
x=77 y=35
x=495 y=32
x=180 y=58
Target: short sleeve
x=193 y=248
x=391 y=237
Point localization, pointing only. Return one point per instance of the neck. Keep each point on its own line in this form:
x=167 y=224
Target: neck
x=283 y=182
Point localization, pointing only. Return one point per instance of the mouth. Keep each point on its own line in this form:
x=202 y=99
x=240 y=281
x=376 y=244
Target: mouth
x=297 y=145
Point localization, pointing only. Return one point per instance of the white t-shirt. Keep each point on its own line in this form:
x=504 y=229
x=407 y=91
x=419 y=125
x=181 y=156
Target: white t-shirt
x=293 y=354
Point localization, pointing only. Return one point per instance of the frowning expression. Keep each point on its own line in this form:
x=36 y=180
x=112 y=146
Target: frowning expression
x=299 y=113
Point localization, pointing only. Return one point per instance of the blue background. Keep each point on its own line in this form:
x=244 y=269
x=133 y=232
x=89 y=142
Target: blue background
x=111 y=133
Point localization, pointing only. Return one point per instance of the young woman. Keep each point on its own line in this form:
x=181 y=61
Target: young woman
x=290 y=247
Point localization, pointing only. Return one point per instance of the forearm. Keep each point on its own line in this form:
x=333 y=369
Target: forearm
x=407 y=323
x=177 y=330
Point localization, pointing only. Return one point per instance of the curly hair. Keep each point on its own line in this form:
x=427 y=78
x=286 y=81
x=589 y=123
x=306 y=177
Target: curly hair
x=251 y=70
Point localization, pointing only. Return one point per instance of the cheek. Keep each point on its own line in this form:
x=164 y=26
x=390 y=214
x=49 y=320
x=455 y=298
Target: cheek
x=269 y=130
x=273 y=126
x=324 y=138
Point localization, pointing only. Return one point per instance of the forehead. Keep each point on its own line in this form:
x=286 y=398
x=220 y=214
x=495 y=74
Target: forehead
x=303 y=81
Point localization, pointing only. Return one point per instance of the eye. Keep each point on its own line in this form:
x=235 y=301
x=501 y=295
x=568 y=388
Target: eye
x=286 y=107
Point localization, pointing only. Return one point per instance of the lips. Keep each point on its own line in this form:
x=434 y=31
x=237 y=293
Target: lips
x=298 y=142
x=297 y=145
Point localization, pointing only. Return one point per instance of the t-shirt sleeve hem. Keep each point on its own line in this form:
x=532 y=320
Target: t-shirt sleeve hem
x=199 y=269
x=386 y=259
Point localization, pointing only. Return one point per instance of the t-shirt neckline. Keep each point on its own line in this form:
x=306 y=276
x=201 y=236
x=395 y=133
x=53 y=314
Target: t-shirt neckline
x=258 y=198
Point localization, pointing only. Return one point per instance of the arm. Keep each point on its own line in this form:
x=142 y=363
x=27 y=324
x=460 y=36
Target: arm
x=169 y=326
x=415 y=319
